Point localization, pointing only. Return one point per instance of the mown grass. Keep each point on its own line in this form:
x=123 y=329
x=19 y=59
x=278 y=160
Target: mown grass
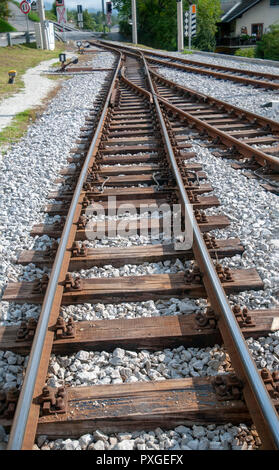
x=18 y=126
x=22 y=120
x=20 y=58
x=6 y=27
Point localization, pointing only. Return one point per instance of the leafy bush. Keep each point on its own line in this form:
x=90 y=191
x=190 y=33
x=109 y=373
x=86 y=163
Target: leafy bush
x=208 y=14
x=33 y=16
x=268 y=47
x=5 y=27
x=247 y=52
x=4 y=10
x=50 y=15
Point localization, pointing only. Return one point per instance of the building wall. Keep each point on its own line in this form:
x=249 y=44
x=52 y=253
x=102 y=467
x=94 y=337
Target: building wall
x=260 y=13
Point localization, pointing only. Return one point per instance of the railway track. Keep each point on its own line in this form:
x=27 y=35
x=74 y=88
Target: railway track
x=139 y=155
x=243 y=76
x=242 y=135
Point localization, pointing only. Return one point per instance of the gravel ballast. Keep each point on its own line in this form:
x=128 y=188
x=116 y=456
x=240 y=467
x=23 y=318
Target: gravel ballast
x=244 y=96
x=29 y=169
x=252 y=212
x=211 y=437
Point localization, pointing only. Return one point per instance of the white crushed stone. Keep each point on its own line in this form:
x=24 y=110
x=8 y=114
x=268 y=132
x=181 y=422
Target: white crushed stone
x=173 y=306
x=29 y=169
x=253 y=213
x=11 y=369
x=124 y=366
x=163 y=267
x=196 y=437
x=244 y=96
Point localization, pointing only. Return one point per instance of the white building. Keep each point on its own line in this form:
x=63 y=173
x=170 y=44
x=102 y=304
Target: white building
x=247 y=18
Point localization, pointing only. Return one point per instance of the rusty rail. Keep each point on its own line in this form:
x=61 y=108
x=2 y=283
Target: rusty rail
x=260 y=406
x=197 y=67
x=26 y=416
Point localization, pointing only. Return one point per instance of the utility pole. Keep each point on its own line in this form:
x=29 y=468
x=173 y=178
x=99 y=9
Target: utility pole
x=134 y=22
x=180 y=35
x=41 y=11
x=103 y=8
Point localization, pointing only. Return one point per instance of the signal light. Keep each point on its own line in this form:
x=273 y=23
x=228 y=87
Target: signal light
x=109 y=7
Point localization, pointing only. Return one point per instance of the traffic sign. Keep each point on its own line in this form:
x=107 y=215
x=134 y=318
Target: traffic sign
x=193 y=24
x=25 y=7
x=186 y=23
x=61 y=15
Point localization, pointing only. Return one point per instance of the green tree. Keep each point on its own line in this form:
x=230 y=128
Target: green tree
x=208 y=15
x=53 y=8
x=157 y=21
x=4 y=9
x=268 y=46
x=88 y=21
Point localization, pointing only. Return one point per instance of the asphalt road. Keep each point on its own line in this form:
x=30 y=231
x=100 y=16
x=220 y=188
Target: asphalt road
x=19 y=20
x=68 y=35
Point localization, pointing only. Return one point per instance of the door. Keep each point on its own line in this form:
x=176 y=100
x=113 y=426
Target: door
x=257 y=30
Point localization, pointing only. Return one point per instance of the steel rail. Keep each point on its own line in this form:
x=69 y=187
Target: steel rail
x=219 y=301
x=25 y=399
x=214 y=66
x=217 y=75
x=246 y=150
x=196 y=68
x=274 y=125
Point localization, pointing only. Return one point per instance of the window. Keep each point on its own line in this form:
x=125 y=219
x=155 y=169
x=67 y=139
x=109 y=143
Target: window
x=274 y=2
x=257 y=30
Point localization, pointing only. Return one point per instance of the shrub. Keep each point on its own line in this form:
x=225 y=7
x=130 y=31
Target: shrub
x=268 y=47
x=33 y=16
x=247 y=52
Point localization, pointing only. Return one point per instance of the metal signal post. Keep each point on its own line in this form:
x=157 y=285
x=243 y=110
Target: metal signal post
x=41 y=12
x=134 y=22
x=180 y=36
x=190 y=24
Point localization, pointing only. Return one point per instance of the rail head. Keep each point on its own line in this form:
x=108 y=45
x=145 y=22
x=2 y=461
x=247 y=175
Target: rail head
x=258 y=400
x=19 y=427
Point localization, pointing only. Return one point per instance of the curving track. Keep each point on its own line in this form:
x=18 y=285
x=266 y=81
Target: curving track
x=151 y=140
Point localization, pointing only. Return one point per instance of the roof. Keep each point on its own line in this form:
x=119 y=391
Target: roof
x=238 y=9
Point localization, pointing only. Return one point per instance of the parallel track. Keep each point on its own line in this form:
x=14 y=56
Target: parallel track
x=246 y=136
x=134 y=130
x=243 y=76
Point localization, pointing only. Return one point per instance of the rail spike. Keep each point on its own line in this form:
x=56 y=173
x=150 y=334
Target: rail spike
x=53 y=401
x=227 y=387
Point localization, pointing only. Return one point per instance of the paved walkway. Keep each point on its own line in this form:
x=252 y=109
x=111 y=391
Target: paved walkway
x=37 y=87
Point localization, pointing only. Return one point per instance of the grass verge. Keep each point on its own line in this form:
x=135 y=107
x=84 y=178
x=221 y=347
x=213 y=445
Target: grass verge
x=20 y=58
x=17 y=127
x=6 y=27
x=21 y=121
